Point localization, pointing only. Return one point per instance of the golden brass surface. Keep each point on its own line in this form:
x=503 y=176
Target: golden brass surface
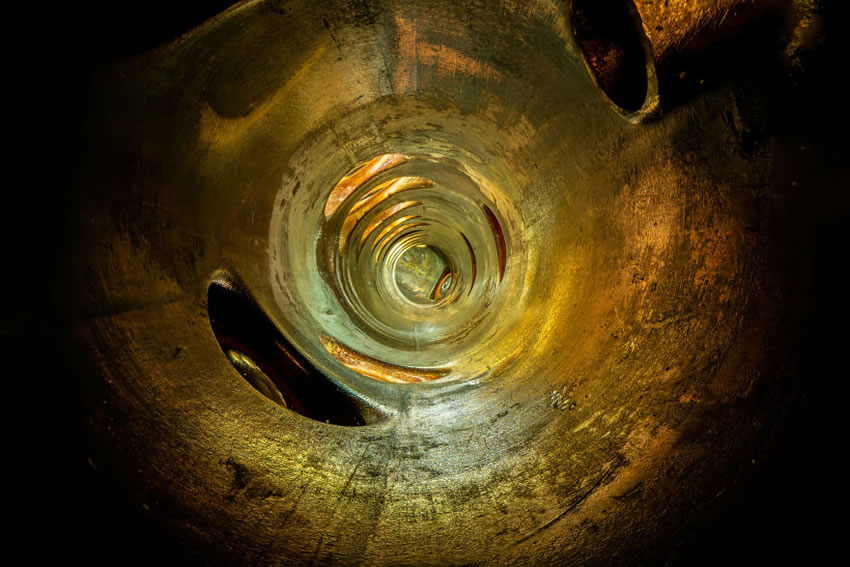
x=643 y=341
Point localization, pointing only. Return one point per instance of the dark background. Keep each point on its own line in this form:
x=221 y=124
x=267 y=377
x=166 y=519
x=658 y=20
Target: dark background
x=783 y=511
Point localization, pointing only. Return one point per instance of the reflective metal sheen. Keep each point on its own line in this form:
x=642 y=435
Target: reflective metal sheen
x=388 y=282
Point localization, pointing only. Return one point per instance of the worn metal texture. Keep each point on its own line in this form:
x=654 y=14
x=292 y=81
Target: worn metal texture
x=639 y=51
x=650 y=346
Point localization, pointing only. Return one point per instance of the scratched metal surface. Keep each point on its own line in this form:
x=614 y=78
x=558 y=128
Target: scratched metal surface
x=653 y=332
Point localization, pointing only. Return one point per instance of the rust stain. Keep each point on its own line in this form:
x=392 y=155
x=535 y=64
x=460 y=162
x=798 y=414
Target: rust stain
x=450 y=61
x=396 y=232
x=381 y=193
x=688 y=398
x=379 y=219
x=404 y=74
x=499 y=237
x=447 y=61
x=359 y=175
x=374 y=368
x=391 y=227
x=716 y=251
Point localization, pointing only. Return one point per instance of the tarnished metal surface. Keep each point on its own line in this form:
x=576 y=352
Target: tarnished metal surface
x=635 y=368
x=638 y=50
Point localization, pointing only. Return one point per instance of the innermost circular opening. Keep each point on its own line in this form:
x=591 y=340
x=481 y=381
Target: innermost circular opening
x=609 y=33
x=414 y=254
x=423 y=275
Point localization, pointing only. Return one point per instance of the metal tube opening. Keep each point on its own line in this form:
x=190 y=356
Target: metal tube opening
x=617 y=54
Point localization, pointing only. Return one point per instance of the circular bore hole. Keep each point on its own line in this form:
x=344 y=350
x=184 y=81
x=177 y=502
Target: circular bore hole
x=422 y=274
x=610 y=37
